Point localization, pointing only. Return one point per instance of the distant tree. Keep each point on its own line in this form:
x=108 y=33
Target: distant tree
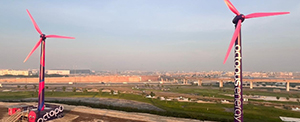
x=100 y=92
x=85 y=90
x=25 y=86
x=287 y=98
x=111 y=91
x=192 y=83
x=18 y=86
x=152 y=94
x=287 y=107
x=64 y=88
x=158 y=85
x=277 y=97
x=34 y=86
x=47 y=87
x=189 y=99
x=74 y=89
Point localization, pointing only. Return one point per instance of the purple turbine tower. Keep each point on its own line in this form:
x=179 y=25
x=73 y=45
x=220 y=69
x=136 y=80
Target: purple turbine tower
x=42 y=60
x=236 y=39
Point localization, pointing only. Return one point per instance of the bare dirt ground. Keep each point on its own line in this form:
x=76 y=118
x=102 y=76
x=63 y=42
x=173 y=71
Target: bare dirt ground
x=71 y=116
x=3 y=111
x=84 y=117
x=86 y=114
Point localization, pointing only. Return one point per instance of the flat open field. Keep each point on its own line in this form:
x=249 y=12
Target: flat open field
x=132 y=99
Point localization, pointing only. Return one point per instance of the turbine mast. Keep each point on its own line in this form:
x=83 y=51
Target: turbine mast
x=238 y=77
x=42 y=77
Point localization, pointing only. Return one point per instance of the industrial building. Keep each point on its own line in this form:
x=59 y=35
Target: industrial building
x=81 y=71
x=58 y=72
x=14 y=72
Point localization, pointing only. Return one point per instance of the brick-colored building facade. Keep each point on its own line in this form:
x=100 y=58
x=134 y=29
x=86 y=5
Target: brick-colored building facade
x=84 y=79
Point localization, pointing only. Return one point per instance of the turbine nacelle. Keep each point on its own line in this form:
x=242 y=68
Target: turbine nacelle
x=237 y=18
x=43 y=36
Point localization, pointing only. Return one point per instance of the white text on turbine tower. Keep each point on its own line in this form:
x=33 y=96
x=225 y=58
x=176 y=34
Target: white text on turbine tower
x=237 y=84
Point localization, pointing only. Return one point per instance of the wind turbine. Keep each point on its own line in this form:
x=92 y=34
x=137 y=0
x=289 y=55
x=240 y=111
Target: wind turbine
x=42 y=60
x=236 y=39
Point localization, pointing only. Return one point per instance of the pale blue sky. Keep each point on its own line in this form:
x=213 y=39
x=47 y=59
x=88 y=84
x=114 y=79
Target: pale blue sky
x=190 y=35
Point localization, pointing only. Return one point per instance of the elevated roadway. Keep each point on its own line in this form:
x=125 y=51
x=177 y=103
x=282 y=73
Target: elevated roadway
x=250 y=80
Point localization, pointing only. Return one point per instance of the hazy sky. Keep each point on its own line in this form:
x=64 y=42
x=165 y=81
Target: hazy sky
x=190 y=35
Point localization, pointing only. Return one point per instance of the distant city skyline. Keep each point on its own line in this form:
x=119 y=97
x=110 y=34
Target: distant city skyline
x=190 y=35
x=200 y=74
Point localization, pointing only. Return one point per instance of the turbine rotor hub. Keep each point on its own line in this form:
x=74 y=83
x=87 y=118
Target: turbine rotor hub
x=237 y=18
x=43 y=36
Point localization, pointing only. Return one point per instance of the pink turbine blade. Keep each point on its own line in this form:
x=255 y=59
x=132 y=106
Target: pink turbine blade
x=34 y=48
x=34 y=23
x=235 y=35
x=254 y=15
x=57 y=36
x=231 y=7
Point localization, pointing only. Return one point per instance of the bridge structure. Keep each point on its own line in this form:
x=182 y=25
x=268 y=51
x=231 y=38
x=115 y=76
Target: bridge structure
x=249 y=80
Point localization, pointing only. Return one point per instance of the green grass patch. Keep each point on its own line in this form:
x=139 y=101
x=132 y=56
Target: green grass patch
x=203 y=91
